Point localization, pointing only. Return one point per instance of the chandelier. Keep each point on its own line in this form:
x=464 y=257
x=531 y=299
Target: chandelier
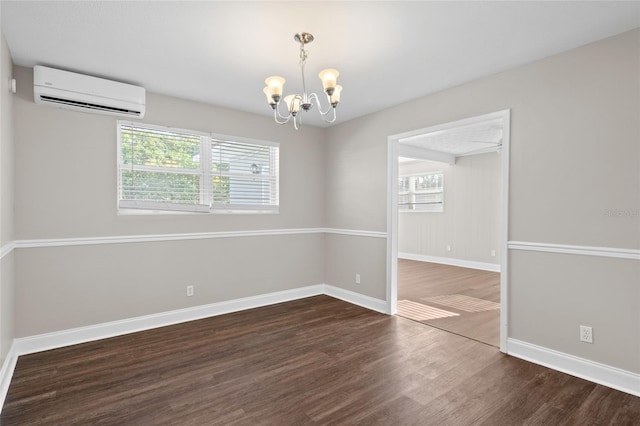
x=303 y=101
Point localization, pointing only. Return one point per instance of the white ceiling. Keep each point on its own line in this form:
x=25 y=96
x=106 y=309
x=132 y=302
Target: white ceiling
x=471 y=139
x=221 y=52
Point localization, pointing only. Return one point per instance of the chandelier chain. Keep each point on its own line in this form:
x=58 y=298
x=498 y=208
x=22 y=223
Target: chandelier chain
x=303 y=61
x=303 y=55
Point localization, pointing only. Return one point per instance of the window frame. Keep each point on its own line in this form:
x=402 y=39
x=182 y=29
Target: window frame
x=413 y=191
x=205 y=173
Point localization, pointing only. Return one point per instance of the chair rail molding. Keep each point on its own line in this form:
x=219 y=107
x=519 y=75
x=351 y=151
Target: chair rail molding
x=620 y=253
x=84 y=241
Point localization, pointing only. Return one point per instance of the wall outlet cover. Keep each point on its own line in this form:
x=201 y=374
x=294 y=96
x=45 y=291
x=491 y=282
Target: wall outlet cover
x=586 y=334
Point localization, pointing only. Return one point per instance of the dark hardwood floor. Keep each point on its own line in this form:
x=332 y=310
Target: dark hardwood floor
x=475 y=309
x=312 y=361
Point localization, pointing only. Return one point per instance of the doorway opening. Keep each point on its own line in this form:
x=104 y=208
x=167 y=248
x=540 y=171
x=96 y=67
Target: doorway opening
x=448 y=226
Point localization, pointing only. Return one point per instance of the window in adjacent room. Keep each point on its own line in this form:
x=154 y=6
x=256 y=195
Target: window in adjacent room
x=421 y=192
x=182 y=170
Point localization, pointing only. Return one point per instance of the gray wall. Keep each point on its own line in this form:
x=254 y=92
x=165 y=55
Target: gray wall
x=470 y=222
x=66 y=287
x=362 y=256
x=574 y=156
x=7 y=284
x=66 y=188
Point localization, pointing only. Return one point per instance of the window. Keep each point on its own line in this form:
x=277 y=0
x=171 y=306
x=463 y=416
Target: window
x=422 y=192
x=182 y=170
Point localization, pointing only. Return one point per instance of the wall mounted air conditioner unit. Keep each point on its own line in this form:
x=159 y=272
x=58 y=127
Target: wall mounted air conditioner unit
x=85 y=93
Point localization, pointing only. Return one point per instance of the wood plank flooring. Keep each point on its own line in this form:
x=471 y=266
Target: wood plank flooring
x=423 y=282
x=308 y=362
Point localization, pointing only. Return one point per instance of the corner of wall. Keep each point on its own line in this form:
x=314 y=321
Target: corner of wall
x=7 y=282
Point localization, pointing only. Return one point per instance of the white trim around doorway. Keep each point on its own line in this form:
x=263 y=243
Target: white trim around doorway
x=393 y=150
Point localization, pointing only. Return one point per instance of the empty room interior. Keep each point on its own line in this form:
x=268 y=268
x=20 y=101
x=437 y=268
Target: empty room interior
x=199 y=226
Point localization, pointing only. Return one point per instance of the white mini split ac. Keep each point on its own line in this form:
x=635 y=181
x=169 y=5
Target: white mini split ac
x=81 y=92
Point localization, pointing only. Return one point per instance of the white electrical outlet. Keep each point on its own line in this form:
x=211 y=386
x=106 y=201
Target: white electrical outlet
x=493 y=253
x=448 y=248
x=189 y=290
x=586 y=334
x=357 y=278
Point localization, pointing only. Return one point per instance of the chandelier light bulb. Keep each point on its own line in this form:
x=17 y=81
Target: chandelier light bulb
x=275 y=84
x=335 y=97
x=270 y=99
x=293 y=103
x=329 y=79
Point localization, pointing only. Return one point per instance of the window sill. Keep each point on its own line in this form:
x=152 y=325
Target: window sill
x=150 y=212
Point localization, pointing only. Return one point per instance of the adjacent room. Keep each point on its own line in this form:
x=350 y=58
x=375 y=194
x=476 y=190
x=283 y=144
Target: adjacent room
x=450 y=232
x=215 y=212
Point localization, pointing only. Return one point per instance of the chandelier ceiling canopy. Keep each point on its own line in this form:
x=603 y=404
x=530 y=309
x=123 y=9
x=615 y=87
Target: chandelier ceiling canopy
x=305 y=101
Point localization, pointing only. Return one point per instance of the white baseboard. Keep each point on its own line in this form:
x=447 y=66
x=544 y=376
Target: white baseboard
x=603 y=374
x=493 y=267
x=357 y=298
x=74 y=336
x=6 y=372
x=58 y=339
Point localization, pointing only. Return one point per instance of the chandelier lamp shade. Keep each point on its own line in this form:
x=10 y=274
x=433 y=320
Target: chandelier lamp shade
x=304 y=101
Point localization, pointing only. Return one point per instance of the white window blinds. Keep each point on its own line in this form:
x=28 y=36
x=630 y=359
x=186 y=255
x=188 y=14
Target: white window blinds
x=245 y=175
x=182 y=170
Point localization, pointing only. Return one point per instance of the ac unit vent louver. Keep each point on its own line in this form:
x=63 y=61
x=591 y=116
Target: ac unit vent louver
x=90 y=106
x=81 y=92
